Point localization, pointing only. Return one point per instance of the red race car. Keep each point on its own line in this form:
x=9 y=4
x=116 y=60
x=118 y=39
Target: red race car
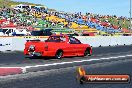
x=57 y=46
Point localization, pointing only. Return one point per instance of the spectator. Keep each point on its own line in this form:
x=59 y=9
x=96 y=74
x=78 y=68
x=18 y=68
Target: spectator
x=14 y=33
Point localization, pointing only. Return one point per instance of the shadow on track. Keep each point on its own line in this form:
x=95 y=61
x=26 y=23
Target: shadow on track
x=46 y=58
x=36 y=57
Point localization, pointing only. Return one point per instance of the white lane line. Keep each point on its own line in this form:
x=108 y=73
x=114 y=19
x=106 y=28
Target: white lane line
x=122 y=56
x=24 y=69
x=79 y=61
x=62 y=63
x=128 y=55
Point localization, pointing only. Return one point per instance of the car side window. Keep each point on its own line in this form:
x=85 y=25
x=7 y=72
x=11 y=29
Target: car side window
x=56 y=39
x=74 y=41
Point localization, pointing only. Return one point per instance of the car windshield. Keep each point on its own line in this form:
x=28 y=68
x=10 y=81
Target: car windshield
x=56 y=39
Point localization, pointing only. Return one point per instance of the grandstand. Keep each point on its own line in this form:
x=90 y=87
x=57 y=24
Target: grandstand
x=39 y=18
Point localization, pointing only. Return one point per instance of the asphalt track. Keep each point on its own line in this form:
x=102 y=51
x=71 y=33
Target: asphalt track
x=65 y=77
x=8 y=59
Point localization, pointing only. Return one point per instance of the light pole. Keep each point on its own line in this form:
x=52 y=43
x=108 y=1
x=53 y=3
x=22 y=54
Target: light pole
x=130 y=15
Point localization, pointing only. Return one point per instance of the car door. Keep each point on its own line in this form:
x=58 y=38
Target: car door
x=74 y=45
x=77 y=45
x=68 y=48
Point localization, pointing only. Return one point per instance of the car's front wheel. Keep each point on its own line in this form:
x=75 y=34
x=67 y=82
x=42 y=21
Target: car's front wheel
x=87 y=53
x=59 y=54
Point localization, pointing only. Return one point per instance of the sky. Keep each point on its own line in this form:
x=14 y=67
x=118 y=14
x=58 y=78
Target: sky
x=103 y=7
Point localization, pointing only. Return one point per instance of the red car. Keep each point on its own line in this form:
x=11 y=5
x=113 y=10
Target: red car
x=57 y=46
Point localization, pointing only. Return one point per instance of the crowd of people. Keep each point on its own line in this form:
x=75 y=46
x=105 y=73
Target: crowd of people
x=31 y=17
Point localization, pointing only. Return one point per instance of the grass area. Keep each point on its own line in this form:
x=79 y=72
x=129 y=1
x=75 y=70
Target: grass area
x=8 y=3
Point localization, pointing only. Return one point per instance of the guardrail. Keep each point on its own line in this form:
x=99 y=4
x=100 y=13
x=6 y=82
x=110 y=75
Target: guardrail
x=17 y=43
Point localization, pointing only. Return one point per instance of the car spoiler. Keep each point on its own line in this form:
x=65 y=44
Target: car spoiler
x=34 y=40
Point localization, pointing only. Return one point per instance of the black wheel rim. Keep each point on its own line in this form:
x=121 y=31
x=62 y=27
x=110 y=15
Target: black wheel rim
x=59 y=54
x=86 y=53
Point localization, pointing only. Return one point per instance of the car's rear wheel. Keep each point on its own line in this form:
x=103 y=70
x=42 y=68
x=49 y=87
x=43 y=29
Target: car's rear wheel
x=59 y=54
x=87 y=53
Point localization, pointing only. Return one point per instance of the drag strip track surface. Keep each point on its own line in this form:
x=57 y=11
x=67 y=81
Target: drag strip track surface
x=19 y=59
x=66 y=77
x=108 y=60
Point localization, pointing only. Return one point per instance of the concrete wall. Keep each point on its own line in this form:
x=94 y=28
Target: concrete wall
x=17 y=43
x=106 y=41
x=5 y=43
